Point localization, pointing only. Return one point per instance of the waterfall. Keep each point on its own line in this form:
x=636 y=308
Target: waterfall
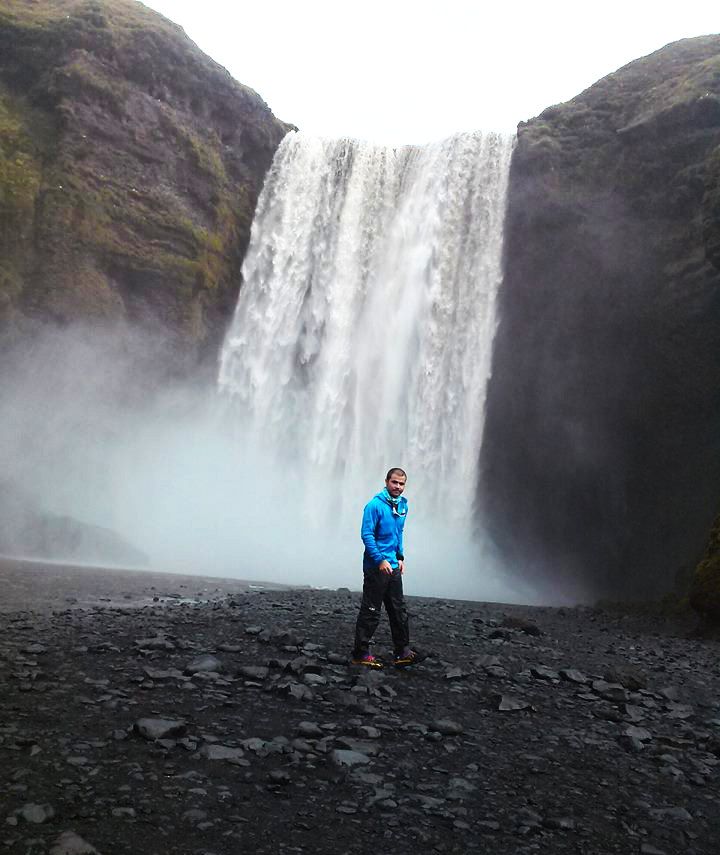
x=363 y=332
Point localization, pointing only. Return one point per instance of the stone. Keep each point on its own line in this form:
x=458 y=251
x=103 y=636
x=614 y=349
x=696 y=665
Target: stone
x=544 y=673
x=221 y=752
x=345 y=757
x=678 y=814
x=610 y=691
x=157 y=643
x=627 y=676
x=446 y=727
x=572 y=675
x=204 y=663
x=639 y=733
x=69 y=843
x=159 y=728
x=310 y=729
x=158 y=674
x=511 y=703
x=453 y=674
x=522 y=624
x=253 y=672
x=37 y=814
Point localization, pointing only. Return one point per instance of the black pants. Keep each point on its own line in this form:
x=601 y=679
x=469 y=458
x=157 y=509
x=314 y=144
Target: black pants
x=381 y=588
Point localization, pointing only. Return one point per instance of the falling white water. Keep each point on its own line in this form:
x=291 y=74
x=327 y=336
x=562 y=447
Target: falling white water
x=362 y=336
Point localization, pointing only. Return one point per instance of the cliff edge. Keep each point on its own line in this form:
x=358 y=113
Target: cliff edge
x=130 y=165
x=602 y=451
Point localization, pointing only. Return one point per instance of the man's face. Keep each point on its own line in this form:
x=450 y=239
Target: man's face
x=395 y=484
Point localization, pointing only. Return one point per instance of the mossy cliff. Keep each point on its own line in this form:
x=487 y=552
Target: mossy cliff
x=601 y=460
x=130 y=164
x=705 y=590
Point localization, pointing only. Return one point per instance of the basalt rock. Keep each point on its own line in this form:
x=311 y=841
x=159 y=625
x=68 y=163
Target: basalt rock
x=130 y=164
x=601 y=457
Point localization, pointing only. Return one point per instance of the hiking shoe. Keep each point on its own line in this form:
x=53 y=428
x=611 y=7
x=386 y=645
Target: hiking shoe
x=407 y=658
x=368 y=660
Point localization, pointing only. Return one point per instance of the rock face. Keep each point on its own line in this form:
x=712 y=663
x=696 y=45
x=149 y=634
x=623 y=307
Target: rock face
x=28 y=530
x=130 y=164
x=602 y=450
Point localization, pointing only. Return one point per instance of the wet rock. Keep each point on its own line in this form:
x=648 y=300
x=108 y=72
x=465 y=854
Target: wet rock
x=69 y=843
x=36 y=814
x=367 y=732
x=157 y=643
x=454 y=674
x=296 y=691
x=543 y=673
x=349 y=758
x=572 y=675
x=676 y=814
x=222 y=752
x=627 y=676
x=559 y=823
x=310 y=730
x=253 y=672
x=610 y=691
x=511 y=703
x=521 y=624
x=639 y=733
x=204 y=663
x=446 y=727
x=159 y=728
x=158 y=674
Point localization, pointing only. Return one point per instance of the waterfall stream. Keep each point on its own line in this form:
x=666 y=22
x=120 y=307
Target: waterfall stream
x=363 y=332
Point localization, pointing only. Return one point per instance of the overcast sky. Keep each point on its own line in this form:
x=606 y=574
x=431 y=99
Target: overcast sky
x=411 y=71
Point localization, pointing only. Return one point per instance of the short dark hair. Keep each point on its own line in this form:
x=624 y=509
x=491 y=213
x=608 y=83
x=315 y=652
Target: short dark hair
x=394 y=470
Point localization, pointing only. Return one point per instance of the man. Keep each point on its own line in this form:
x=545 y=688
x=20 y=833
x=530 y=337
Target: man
x=383 y=565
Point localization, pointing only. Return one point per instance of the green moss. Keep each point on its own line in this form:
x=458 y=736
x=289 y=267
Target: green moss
x=705 y=591
x=203 y=156
x=109 y=91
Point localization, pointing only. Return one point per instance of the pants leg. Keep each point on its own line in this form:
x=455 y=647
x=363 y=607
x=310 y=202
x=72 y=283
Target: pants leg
x=374 y=585
x=397 y=612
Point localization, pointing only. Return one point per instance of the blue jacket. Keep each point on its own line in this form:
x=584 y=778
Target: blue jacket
x=382 y=530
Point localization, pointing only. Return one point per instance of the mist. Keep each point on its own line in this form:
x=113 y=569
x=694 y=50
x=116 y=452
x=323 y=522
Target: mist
x=87 y=431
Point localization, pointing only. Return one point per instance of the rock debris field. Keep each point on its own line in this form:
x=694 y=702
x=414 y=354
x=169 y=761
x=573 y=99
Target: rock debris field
x=184 y=722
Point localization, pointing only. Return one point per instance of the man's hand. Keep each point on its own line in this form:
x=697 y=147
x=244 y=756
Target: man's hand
x=401 y=565
x=384 y=567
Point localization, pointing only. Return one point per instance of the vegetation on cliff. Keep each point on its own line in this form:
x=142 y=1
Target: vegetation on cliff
x=705 y=589
x=130 y=164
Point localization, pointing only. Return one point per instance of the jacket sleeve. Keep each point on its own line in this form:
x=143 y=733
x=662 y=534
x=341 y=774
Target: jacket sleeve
x=367 y=532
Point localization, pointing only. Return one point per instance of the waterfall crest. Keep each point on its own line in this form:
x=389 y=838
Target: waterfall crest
x=363 y=332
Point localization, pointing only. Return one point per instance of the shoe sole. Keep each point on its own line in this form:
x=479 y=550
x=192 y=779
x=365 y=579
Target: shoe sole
x=407 y=663
x=376 y=665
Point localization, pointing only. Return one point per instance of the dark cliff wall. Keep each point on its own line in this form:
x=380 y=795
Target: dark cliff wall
x=601 y=459
x=130 y=165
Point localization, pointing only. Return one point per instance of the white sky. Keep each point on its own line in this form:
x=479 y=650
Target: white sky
x=412 y=71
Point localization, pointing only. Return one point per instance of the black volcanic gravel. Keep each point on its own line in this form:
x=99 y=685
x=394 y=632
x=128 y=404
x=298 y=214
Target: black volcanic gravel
x=235 y=724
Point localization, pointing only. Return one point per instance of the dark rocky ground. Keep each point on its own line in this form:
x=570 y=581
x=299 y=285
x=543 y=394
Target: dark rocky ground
x=216 y=722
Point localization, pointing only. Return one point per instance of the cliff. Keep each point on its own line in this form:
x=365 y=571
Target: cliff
x=130 y=164
x=601 y=459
